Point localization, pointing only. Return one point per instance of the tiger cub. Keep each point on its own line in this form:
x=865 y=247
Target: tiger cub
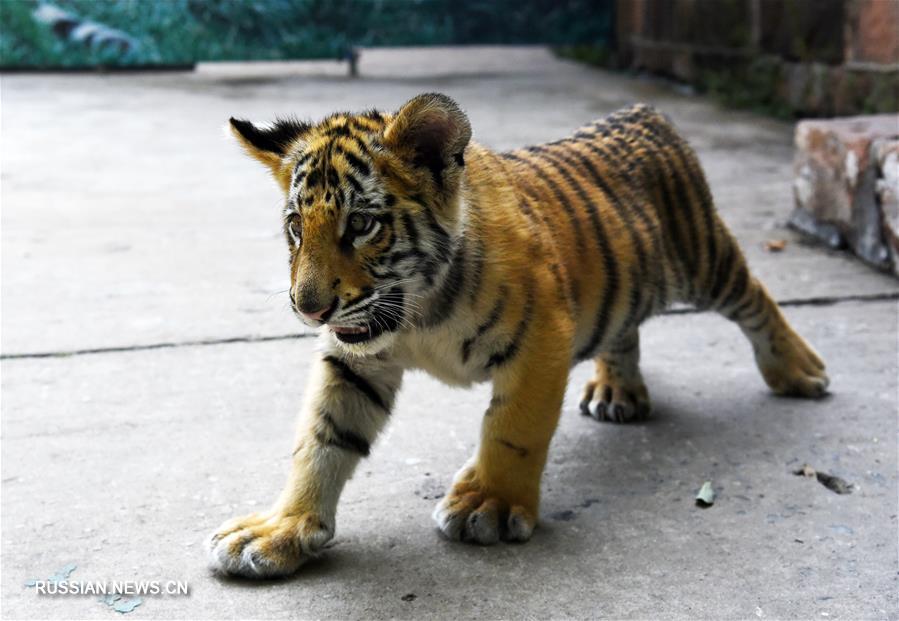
x=412 y=247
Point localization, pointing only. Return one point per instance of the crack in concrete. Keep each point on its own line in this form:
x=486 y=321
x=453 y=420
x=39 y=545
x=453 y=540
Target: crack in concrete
x=813 y=301
x=152 y=346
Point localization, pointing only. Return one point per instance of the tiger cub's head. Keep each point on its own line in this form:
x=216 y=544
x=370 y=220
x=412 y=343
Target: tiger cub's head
x=371 y=212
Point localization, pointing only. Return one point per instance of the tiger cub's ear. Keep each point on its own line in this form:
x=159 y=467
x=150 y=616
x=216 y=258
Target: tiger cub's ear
x=431 y=131
x=268 y=143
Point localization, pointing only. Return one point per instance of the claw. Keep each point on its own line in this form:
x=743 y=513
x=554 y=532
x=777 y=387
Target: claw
x=615 y=403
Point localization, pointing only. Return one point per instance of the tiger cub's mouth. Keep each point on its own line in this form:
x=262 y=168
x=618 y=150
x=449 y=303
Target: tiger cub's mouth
x=356 y=334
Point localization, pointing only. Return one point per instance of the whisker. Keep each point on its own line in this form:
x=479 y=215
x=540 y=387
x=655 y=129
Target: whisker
x=274 y=293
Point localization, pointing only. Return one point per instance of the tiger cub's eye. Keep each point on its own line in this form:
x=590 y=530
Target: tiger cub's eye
x=360 y=224
x=295 y=229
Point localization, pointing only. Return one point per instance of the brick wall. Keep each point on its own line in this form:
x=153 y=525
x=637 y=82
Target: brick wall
x=807 y=57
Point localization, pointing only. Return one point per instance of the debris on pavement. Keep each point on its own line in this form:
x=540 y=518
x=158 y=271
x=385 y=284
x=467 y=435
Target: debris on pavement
x=831 y=482
x=408 y=597
x=565 y=516
x=706 y=496
x=61 y=575
x=126 y=606
x=119 y=604
x=775 y=245
x=805 y=470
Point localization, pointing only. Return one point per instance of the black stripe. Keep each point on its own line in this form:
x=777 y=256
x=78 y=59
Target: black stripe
x=751 y=308
x=338 y=130
x=401 y=255
x=360 y=383
x=357 y=163
x=738 y=287
x=363 y=147
x=313 y=178
x=758 y=326
x=501 y=357
x=333 y=179
x=383 y=274
x=522 y=452
x=444 y=242
x=492 y=319
x=363 y=296
x=476 y=270
x=298 y=177
x=342 y=438
x=373 y=114
x=705 y=204
x=440 y=241
x=445 y=300
x=625 y=346
x=735 y=312
x=357 y=187
x=526 y=209
x=560 y=197
x=722 y=272
x=411 y=231
x=563 y=285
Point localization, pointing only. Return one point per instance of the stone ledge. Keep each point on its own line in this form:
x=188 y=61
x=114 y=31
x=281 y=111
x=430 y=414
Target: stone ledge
x=846 y=185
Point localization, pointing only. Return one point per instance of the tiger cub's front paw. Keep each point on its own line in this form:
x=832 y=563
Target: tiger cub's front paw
x=266 y=545
x=473 y=514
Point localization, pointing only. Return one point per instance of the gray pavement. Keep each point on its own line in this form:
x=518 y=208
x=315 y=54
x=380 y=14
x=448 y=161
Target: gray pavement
x=129 y=221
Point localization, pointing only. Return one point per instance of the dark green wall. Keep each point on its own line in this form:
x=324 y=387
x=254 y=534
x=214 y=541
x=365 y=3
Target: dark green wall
x=186 y=31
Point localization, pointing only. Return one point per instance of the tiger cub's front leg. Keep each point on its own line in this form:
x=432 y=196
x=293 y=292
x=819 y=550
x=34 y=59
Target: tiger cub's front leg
x=346 y=405
x=496 y=495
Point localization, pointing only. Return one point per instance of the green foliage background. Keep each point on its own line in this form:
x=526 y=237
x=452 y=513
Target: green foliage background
x=186 y=31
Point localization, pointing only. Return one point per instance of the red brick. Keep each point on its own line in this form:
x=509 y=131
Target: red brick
x=873 y=32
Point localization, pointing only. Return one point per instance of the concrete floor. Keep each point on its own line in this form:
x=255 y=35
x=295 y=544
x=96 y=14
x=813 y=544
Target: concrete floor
x=129 y=222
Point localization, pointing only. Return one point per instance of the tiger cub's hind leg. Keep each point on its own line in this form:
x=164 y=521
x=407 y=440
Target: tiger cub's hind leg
x=787 y=362
x=617 y=392
x=789 y=365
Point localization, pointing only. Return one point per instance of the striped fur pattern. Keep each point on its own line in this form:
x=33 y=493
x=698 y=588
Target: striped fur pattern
x=415 y=248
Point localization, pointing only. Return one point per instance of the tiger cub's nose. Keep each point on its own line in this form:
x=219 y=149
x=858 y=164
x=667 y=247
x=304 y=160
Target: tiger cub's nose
x=317 y=315
x=306 y=309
